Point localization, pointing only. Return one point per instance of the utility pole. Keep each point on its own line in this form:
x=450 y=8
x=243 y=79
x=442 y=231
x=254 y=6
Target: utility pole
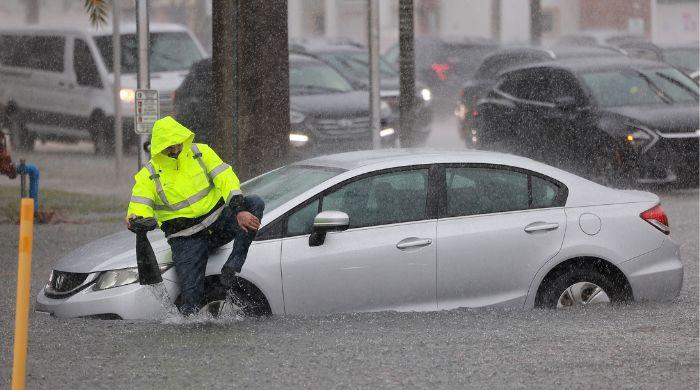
x=535 y=22
x=374 y=83
x=496 y=20
x=144 y=75
x=407 y=73
x=116 y=65
x=251 y=84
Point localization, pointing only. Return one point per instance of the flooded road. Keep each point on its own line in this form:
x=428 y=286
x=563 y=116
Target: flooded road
x=641 y=346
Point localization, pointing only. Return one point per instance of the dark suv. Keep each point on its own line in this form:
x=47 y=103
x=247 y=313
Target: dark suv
x=352 y=61
x=326 y=114
x=485 y=77
x=627 y=119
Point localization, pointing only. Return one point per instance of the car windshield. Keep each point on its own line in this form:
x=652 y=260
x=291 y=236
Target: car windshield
x=639 y=87
x=307 y=78
x=283 y=184
x=683 y=58
x=356 y=65
x=169 y=51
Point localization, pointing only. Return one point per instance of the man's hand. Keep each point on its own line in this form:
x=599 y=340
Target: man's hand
x=128 y=220
x=247 y=221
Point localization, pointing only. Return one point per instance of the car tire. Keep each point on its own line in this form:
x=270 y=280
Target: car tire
x=219 y=301
x=580 y=286
x=102 y=135
x=20 y=138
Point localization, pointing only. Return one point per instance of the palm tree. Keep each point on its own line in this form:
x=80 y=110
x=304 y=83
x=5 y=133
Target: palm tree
x=97 y=11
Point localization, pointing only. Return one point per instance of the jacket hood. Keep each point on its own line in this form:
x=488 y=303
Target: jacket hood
x=167 y=132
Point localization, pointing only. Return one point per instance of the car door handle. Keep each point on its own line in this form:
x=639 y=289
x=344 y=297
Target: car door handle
x=413 y=242
x=541 y=226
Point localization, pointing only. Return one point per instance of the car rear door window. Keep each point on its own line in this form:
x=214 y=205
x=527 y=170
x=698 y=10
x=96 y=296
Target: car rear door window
x=382 y=199
x=474 y=190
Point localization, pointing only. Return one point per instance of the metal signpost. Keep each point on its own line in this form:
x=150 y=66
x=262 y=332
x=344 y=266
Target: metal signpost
x=374 y=102
x=147 y=110
x=144 y=76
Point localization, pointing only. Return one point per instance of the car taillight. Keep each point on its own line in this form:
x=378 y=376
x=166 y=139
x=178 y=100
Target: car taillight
x=440 y=70
x=656 y=216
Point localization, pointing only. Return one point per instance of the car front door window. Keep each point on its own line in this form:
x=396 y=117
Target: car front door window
x=382 y=199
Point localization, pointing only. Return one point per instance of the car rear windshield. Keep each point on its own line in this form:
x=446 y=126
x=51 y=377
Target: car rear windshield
x=169 y=51
x=311 y=77
x=628 y=87
x=282 y=185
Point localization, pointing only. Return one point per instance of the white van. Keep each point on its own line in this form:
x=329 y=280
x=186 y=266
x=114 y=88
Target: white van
x=56 y=83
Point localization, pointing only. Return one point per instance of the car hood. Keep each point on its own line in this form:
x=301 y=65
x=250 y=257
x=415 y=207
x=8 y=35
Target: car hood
x=332 y=105
x=677 y=118
x=111 y=252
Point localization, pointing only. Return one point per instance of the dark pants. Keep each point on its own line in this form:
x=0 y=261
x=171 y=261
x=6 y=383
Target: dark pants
x=190 y=253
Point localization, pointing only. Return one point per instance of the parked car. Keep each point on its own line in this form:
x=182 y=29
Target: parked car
x=443 y=64
x=632 y=120
x=494 y=63
x=352 y=61
x=407 y=230
x=57 y=83
x=326 y=114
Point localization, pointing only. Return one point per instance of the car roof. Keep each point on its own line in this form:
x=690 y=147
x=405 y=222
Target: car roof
x=581 y=65
x=555 y=52
x=403 y=157
x=125 y=28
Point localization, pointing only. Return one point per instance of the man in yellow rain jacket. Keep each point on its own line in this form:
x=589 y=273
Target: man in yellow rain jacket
x=198 y=203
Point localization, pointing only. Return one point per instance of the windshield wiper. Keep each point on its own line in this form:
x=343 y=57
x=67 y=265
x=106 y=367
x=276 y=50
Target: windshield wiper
x=677 y=83
x=658 y=91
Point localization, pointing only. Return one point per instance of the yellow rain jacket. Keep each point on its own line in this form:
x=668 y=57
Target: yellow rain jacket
x=190 y=186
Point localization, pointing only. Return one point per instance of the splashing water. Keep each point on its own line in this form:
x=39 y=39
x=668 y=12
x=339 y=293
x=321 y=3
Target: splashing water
x=160 y=293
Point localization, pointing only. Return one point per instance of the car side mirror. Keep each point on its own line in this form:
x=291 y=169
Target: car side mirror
x=565 y=103
x=327 y=221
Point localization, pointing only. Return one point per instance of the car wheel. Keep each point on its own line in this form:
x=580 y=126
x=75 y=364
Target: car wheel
x=609 y=169
x=20 y=138
x=222 y=302
x=102 y=135
x=580 y=287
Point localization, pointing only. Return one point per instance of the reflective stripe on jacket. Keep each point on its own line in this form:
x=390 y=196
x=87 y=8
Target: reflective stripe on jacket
x=186 y=187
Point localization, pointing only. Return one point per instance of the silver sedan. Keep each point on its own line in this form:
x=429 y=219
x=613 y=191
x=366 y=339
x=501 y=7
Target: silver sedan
x=407 y=230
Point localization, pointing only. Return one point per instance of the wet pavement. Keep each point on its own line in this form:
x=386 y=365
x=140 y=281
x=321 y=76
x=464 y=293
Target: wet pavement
x=639 y=346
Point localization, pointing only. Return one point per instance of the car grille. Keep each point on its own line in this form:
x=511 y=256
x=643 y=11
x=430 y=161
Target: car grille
x=64 y=284
x=341 y=127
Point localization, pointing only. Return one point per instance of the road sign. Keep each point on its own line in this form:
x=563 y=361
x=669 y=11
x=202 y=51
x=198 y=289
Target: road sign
x=147 y=110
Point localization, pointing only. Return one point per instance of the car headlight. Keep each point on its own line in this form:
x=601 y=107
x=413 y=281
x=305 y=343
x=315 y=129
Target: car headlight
x=426 y=94
x=296 y=117
x=127 y=95
x=386 y=132
x=640 y=137
x=298 y=139
x=122 y=277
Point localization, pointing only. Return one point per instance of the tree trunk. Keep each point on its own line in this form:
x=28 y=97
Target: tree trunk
x=251 y=82
x=224 y=78
x=407 y=74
